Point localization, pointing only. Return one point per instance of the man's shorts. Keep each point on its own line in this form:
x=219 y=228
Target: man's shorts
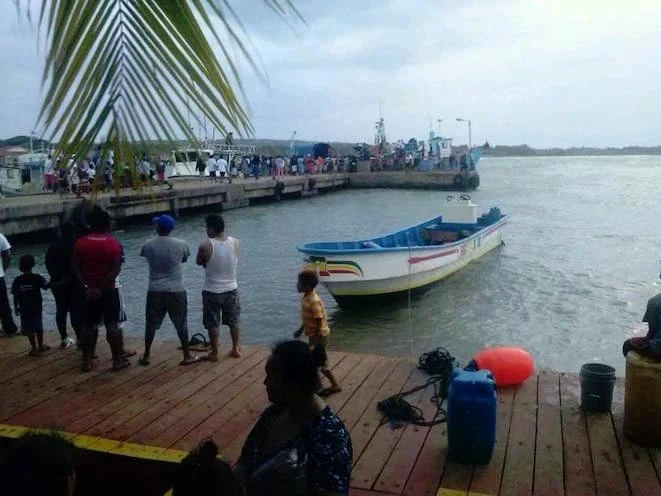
x=31 y=323
x=105 y=308
x=161 y=302
x=213 y=304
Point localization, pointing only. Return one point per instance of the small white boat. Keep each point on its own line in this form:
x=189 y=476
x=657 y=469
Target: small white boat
x=412 y=259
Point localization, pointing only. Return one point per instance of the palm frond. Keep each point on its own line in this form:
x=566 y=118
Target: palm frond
x=124 y=71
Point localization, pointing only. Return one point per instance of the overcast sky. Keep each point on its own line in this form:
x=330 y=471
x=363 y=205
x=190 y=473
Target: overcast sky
x=542 y=72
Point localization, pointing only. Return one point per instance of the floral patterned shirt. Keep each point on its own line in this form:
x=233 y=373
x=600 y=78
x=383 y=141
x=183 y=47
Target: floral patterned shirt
x=325 y=440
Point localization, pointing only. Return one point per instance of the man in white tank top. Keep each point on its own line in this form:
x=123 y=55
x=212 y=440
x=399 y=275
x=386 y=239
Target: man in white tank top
x=219 y=255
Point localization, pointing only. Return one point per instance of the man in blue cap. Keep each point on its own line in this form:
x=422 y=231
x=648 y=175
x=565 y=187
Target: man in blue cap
x=166 y=293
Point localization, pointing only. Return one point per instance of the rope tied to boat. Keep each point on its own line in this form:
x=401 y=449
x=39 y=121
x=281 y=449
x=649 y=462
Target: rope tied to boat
x=396 y=410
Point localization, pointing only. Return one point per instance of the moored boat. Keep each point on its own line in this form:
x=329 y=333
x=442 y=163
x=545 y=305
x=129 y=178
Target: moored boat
x=408 y=260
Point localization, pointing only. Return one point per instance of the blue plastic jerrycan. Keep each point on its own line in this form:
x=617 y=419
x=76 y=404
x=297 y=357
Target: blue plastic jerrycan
x=471 y=416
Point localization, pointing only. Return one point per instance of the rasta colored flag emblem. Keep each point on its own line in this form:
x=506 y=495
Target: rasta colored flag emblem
x=329 y=267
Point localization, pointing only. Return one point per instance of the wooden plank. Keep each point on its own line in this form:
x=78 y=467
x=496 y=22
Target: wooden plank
x=354 y=378
x=231 y=434
x=43 y=388
x=428 y=468
x=486 y=478
x=167 y=428
x=578 y=473
x=606 y=459
x=351 y=412
x=456 y=479
x=190 y=387
x=518 y=470
x=363 y=492
x=85 y=396
x=16 y=362
x=403 y=456
x=638 y=462
x=136 y=400
x=373 y=442
x=548 y=475
x=655 y=456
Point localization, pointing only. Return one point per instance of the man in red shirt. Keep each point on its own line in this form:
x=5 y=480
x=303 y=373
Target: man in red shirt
x=96 y=264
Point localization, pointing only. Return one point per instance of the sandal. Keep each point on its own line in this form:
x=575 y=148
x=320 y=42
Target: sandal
x=128 y=354
x=88 y=366
x=197 y=342
x=34 y=353
x=144 y=361
x=120 y=366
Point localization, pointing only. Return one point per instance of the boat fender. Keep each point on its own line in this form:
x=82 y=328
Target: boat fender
x=509 y=365
x=311 y=183
x=473 y=182
x=279 y=187
x=458 y=180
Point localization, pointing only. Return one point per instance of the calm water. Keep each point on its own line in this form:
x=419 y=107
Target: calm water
x=580 y=260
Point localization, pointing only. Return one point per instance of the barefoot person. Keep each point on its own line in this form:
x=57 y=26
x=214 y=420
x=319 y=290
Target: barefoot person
x=315 y=325
x=26 y=289
x=166 y=293
x=96 y=263
x=219 y=255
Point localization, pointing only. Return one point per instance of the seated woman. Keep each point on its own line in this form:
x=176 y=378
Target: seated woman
x=298 y=446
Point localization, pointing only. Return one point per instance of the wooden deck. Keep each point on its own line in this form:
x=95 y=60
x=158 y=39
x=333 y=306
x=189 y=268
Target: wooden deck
x=545 y=444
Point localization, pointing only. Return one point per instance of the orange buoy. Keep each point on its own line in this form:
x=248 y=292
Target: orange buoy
x=509 y=365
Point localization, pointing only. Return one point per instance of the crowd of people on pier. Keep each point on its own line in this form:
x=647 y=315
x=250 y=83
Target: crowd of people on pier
x=298 y=446
x=77 y=175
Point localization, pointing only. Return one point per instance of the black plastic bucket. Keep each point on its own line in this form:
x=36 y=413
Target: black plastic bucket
x=597 y=383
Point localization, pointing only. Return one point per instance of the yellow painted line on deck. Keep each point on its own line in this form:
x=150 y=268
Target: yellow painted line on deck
x=442 y=491
x=100 y=444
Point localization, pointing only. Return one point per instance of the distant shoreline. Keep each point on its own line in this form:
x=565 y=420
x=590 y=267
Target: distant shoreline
x=526 y=151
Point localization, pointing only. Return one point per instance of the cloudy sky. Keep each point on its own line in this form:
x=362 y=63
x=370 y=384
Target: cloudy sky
x=542 y=72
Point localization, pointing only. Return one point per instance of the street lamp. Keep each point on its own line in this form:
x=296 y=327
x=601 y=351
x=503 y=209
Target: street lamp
x=439 y=126
x=470 y=137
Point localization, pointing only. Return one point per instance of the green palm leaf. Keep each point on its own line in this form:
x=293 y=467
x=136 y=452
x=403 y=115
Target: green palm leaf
x=122 y=72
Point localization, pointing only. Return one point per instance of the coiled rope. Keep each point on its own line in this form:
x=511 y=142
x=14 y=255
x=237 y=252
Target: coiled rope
x=396 y=410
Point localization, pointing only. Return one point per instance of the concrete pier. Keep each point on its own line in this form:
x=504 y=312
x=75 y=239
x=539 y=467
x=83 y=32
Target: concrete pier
x=439 y=180
x=40 y=212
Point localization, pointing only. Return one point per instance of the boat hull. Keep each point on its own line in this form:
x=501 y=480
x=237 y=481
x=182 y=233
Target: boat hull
x=356 y=279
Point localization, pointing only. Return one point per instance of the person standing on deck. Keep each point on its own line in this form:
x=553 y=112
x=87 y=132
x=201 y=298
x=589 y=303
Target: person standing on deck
x=221 y=165
x=166 y=293
x=213 y=166
x=219 y=255
x=58 y=265
x=8 y=324
x=96 y=263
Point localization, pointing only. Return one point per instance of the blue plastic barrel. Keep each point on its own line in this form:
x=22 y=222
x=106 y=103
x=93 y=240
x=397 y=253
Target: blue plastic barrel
x=471 y=416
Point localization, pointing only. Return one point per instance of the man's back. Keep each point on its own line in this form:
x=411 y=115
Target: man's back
x=653 y=317
x=58 y=258
x=220 y=270
x=165 y=256
x=97 y=255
